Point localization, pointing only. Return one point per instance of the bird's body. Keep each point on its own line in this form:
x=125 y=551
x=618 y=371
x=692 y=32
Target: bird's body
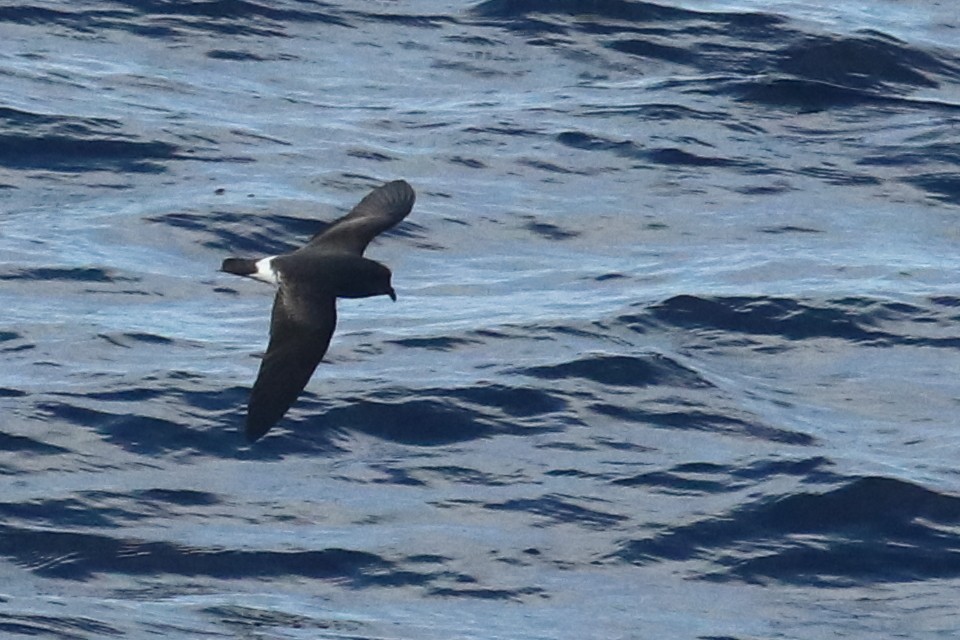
x=309 y=281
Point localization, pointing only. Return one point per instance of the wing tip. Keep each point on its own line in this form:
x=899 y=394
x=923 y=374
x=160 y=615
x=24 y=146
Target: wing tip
x=398 y=195
x=256 y=428
x=400 y=183
x=261 y=416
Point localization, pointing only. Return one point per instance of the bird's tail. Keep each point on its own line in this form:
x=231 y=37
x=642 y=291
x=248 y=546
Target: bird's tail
x=239 y=266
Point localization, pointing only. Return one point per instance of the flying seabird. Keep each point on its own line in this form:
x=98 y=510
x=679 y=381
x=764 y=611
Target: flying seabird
x=330 y=266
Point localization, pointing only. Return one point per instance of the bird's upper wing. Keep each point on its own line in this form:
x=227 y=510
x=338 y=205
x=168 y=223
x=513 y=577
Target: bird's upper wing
x=300 y=332
x=382 y=208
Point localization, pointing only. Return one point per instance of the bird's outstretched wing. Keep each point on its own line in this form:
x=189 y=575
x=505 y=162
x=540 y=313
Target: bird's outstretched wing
x=300 y=332
x=381 y=209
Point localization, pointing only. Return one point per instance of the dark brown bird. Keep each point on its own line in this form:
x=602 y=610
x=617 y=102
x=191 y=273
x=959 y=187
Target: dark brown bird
x=310 y=280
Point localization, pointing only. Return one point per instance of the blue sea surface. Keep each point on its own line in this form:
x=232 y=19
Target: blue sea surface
x=676 y=352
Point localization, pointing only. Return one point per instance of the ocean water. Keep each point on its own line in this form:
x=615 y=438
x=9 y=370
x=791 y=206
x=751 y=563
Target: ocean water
x=675 y=354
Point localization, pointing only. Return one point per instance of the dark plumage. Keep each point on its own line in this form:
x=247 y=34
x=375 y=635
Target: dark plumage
x=310 y=280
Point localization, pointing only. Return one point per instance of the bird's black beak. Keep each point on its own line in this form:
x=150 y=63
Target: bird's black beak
x=392 y=294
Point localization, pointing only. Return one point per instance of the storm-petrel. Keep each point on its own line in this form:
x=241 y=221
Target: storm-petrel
x=310 y=280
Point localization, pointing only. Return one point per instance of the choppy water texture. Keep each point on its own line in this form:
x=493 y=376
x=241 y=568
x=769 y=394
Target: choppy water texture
x=675 y=354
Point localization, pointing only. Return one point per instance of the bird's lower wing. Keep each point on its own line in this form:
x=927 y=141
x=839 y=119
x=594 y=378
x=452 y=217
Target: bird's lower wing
x=293 y=354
